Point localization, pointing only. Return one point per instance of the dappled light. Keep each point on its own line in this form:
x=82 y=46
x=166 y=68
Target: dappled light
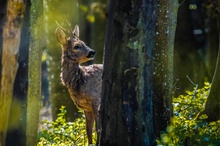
x=118 y=72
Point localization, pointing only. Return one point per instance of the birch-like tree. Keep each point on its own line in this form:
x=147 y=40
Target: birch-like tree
x=10 y=45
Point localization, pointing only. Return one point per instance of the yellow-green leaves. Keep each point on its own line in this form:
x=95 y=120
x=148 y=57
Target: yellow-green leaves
x=187 y=128
x=63 y=133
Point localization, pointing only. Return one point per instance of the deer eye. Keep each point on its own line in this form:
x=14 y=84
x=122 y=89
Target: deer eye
x=76 y=47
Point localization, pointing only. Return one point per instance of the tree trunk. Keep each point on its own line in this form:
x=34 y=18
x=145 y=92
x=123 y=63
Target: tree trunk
x=212 y=108
x=16 y=135
x=213 y=43
x=3 y=7
x=97 y=33
x=10 y=46
x=37 y=42
x=163 y=64
x=189 y=47
x=138 y=72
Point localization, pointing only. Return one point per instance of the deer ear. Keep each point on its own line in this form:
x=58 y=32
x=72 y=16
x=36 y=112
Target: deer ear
x=76 y=31
x=61 y=36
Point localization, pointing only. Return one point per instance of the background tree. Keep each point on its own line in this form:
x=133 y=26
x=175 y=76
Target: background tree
x=2 y=18
x=97 y=11
x=212 y=108
x=37 y=42
x=16 y=134
x=190 y=46
x=212 y=37
x=10 y=46
x=134 y=70
x=163 y=64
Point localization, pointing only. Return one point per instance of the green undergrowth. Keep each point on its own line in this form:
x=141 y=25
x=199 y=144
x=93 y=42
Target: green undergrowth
x=187 y=126
x=63 y=133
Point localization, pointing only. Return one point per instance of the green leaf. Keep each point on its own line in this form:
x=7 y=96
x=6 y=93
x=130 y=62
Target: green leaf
x=202 y=117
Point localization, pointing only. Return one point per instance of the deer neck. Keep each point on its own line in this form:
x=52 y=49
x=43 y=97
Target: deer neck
x=72 y=75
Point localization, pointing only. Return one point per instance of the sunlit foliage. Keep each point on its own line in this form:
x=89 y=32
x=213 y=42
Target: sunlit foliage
x=63 y=133
x=95 y=9
x=187 y=126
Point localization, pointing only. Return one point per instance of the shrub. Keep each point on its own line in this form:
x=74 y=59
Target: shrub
x=187 y=127
x=63 y=133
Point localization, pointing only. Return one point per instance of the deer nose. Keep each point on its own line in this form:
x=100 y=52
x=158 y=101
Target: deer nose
x=91 y=54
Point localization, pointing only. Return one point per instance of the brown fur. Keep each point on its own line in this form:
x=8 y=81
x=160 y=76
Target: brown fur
x=82 y=82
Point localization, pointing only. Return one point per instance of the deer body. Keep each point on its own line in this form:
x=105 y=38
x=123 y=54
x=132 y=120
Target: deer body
x=82 y=82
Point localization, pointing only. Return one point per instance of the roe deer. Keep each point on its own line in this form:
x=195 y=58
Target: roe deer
x=82 y=82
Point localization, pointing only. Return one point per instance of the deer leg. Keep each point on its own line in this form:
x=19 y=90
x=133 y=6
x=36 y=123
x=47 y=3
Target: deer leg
x=89 y=124
x=97 y=124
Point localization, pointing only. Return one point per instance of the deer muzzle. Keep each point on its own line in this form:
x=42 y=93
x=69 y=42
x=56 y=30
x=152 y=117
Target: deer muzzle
x=91 y=54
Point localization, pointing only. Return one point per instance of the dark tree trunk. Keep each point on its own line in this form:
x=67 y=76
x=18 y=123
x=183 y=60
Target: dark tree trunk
x=127 y=95
x=163 y=64
x=213 y=41
x=97 y=33
x=138 y=72
x=189 y=47
x=212 y=108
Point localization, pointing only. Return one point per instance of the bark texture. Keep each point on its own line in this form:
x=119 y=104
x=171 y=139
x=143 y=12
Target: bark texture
x=138 y=72
x=212 y=108
x=37 y=42
x=126 y=113
x=10 y=46
x=163 y=64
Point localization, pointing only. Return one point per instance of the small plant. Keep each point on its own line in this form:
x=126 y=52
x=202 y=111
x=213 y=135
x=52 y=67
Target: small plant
x=187 y=128
x=63 y=133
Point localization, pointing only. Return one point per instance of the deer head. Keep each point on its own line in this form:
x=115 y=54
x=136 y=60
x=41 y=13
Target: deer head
x=74 y=48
